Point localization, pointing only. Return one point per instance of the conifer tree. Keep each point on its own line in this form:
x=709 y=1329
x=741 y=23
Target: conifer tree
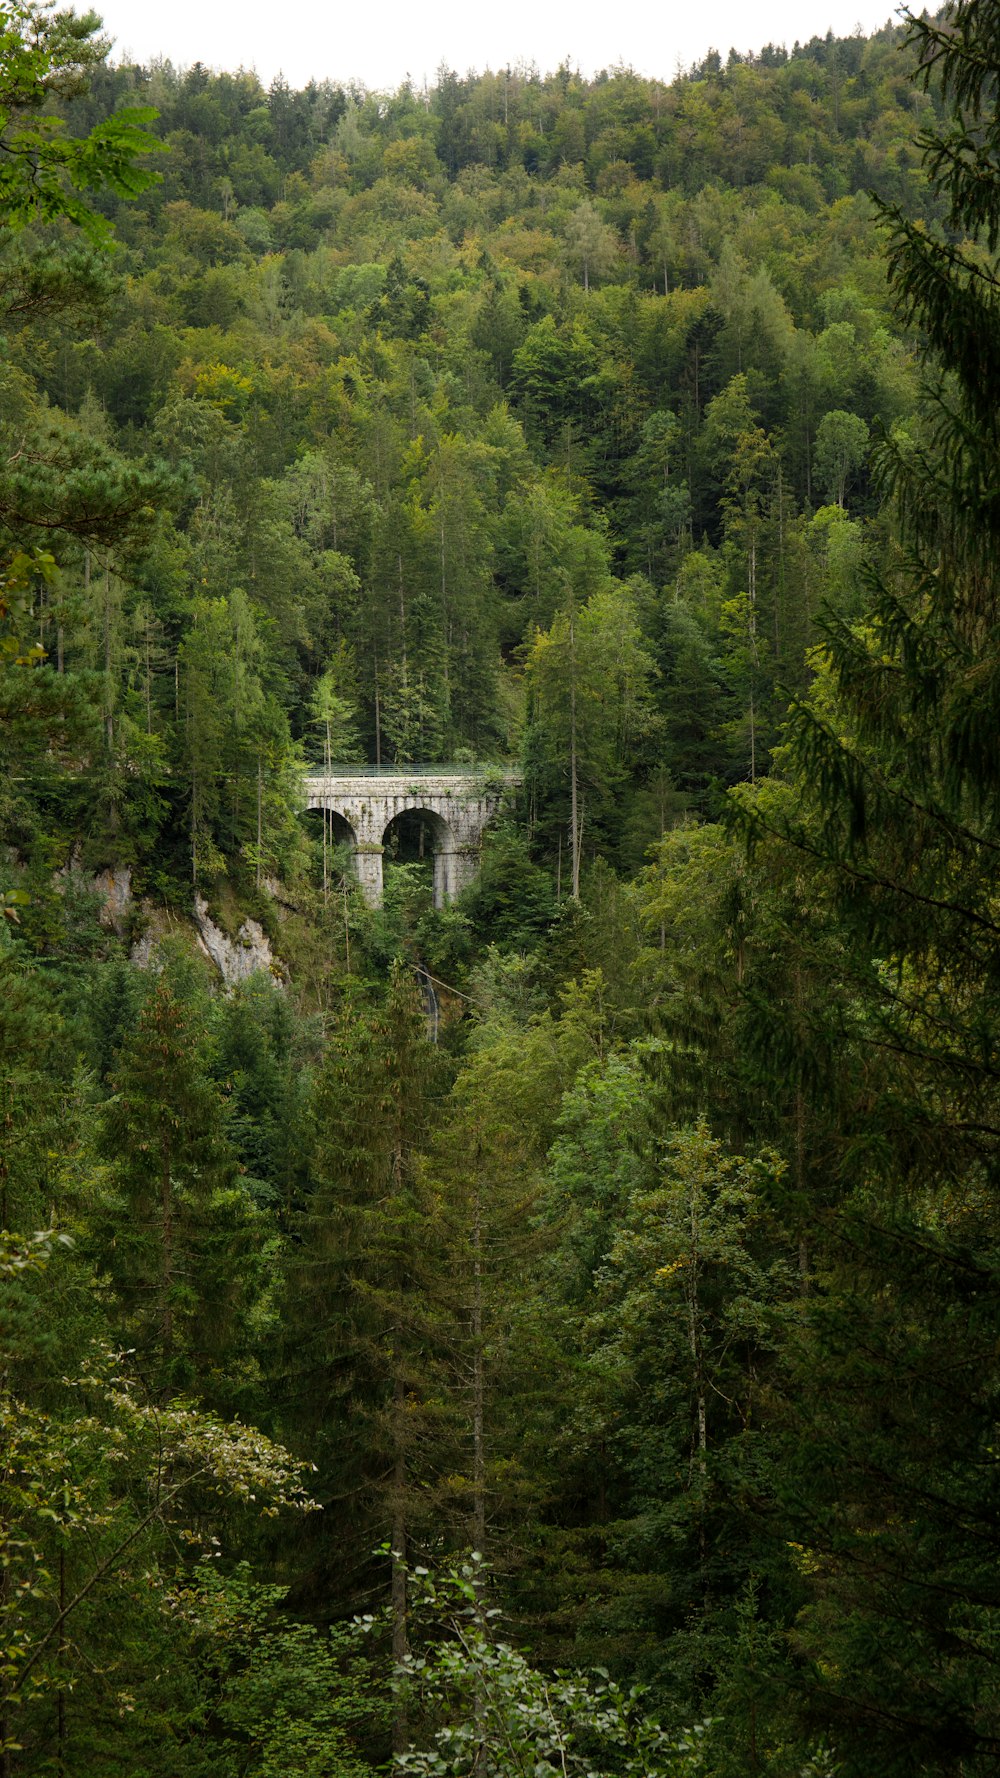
x=890 y=1474
x=364 y=1287
x=175 y=1232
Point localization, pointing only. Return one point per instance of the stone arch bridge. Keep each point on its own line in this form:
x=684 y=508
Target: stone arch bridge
x=455 y=807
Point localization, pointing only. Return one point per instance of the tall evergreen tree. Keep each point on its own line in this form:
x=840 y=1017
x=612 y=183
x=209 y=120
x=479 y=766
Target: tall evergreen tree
x=175 y=1228
x=890 y=1467
x=364 y=1288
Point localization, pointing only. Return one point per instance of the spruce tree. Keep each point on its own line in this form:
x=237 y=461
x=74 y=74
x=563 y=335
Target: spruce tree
x=890 y=1477
x=367 y=1326
x=174 y=1231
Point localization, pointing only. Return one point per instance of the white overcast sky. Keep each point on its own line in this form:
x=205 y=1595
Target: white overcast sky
x=381 y=43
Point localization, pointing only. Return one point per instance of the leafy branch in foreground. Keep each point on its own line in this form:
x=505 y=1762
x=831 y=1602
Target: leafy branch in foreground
x=95 y=1473
x=500 y=1717
x=45 y=173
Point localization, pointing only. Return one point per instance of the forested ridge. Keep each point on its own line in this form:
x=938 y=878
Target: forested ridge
x=601 y=1376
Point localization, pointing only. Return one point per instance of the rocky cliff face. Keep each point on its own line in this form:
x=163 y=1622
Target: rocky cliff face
x=238 y=958
x=234 y=958
x=115 y=889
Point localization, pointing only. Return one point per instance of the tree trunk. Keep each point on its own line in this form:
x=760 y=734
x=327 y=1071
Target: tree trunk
x=61 y=1695
x=166 y=1251
x=328 y=763
x=194 y=827
x=574 y=794
x=752 y=618
x=478 y=1382
x=400 y=1641
x=800 y=1149
x=109 y=719
x=326 y=876
x=694 y=1341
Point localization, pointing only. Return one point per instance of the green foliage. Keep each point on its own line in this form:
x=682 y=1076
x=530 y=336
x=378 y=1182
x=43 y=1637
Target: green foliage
x=44 y=57
x=285 y=1695
x=511 y=899
x=97 y=1477
x=357 y=419
x=894 y=800
x=171 y=1208
x=841 y=443
x=490 y=424
x=365 y=1296
x=508 y=1720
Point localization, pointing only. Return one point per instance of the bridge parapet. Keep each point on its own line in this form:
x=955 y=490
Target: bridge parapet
x=458 y=805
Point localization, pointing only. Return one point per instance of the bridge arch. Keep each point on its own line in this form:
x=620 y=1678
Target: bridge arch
x=440 y=831
x=338 y=833
x=339 y=830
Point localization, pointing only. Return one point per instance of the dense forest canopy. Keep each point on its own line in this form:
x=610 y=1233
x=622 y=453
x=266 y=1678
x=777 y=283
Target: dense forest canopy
x=599 y=1375
x=416 y=376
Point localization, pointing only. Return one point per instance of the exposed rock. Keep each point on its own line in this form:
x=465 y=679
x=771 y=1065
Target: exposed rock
x=115 y=889
x=280 y=893
x=143 y=951
x=235 y=959
x=156 y=924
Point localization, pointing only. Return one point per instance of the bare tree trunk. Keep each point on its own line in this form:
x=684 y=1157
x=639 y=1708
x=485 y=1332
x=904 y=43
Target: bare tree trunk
x=694 y=1341
x=260 y=814
x=327 y=825
x=575 y=834
x=800 y=1152
x=478 y=1388
x=698 y=1379
x=752 y=617
x=167 y=1250
x=194 y=827
x=61 y=1696
x=109 y=720
x=400 y=1640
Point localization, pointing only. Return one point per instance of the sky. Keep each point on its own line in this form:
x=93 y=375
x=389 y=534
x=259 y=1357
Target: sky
x=380 y=45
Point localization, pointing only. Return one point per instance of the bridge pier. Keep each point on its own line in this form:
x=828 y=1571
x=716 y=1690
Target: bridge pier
x=368 y=870
x=453 y=871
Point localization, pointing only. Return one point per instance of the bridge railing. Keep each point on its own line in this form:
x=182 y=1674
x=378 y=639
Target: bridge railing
x=446 y=769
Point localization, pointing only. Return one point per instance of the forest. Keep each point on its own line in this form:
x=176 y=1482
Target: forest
x=601 y=1378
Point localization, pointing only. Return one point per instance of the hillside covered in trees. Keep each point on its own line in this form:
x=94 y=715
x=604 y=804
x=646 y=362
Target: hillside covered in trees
x=602 y=1379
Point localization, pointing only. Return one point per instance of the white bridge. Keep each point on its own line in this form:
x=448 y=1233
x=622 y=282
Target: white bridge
x=454 y=808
